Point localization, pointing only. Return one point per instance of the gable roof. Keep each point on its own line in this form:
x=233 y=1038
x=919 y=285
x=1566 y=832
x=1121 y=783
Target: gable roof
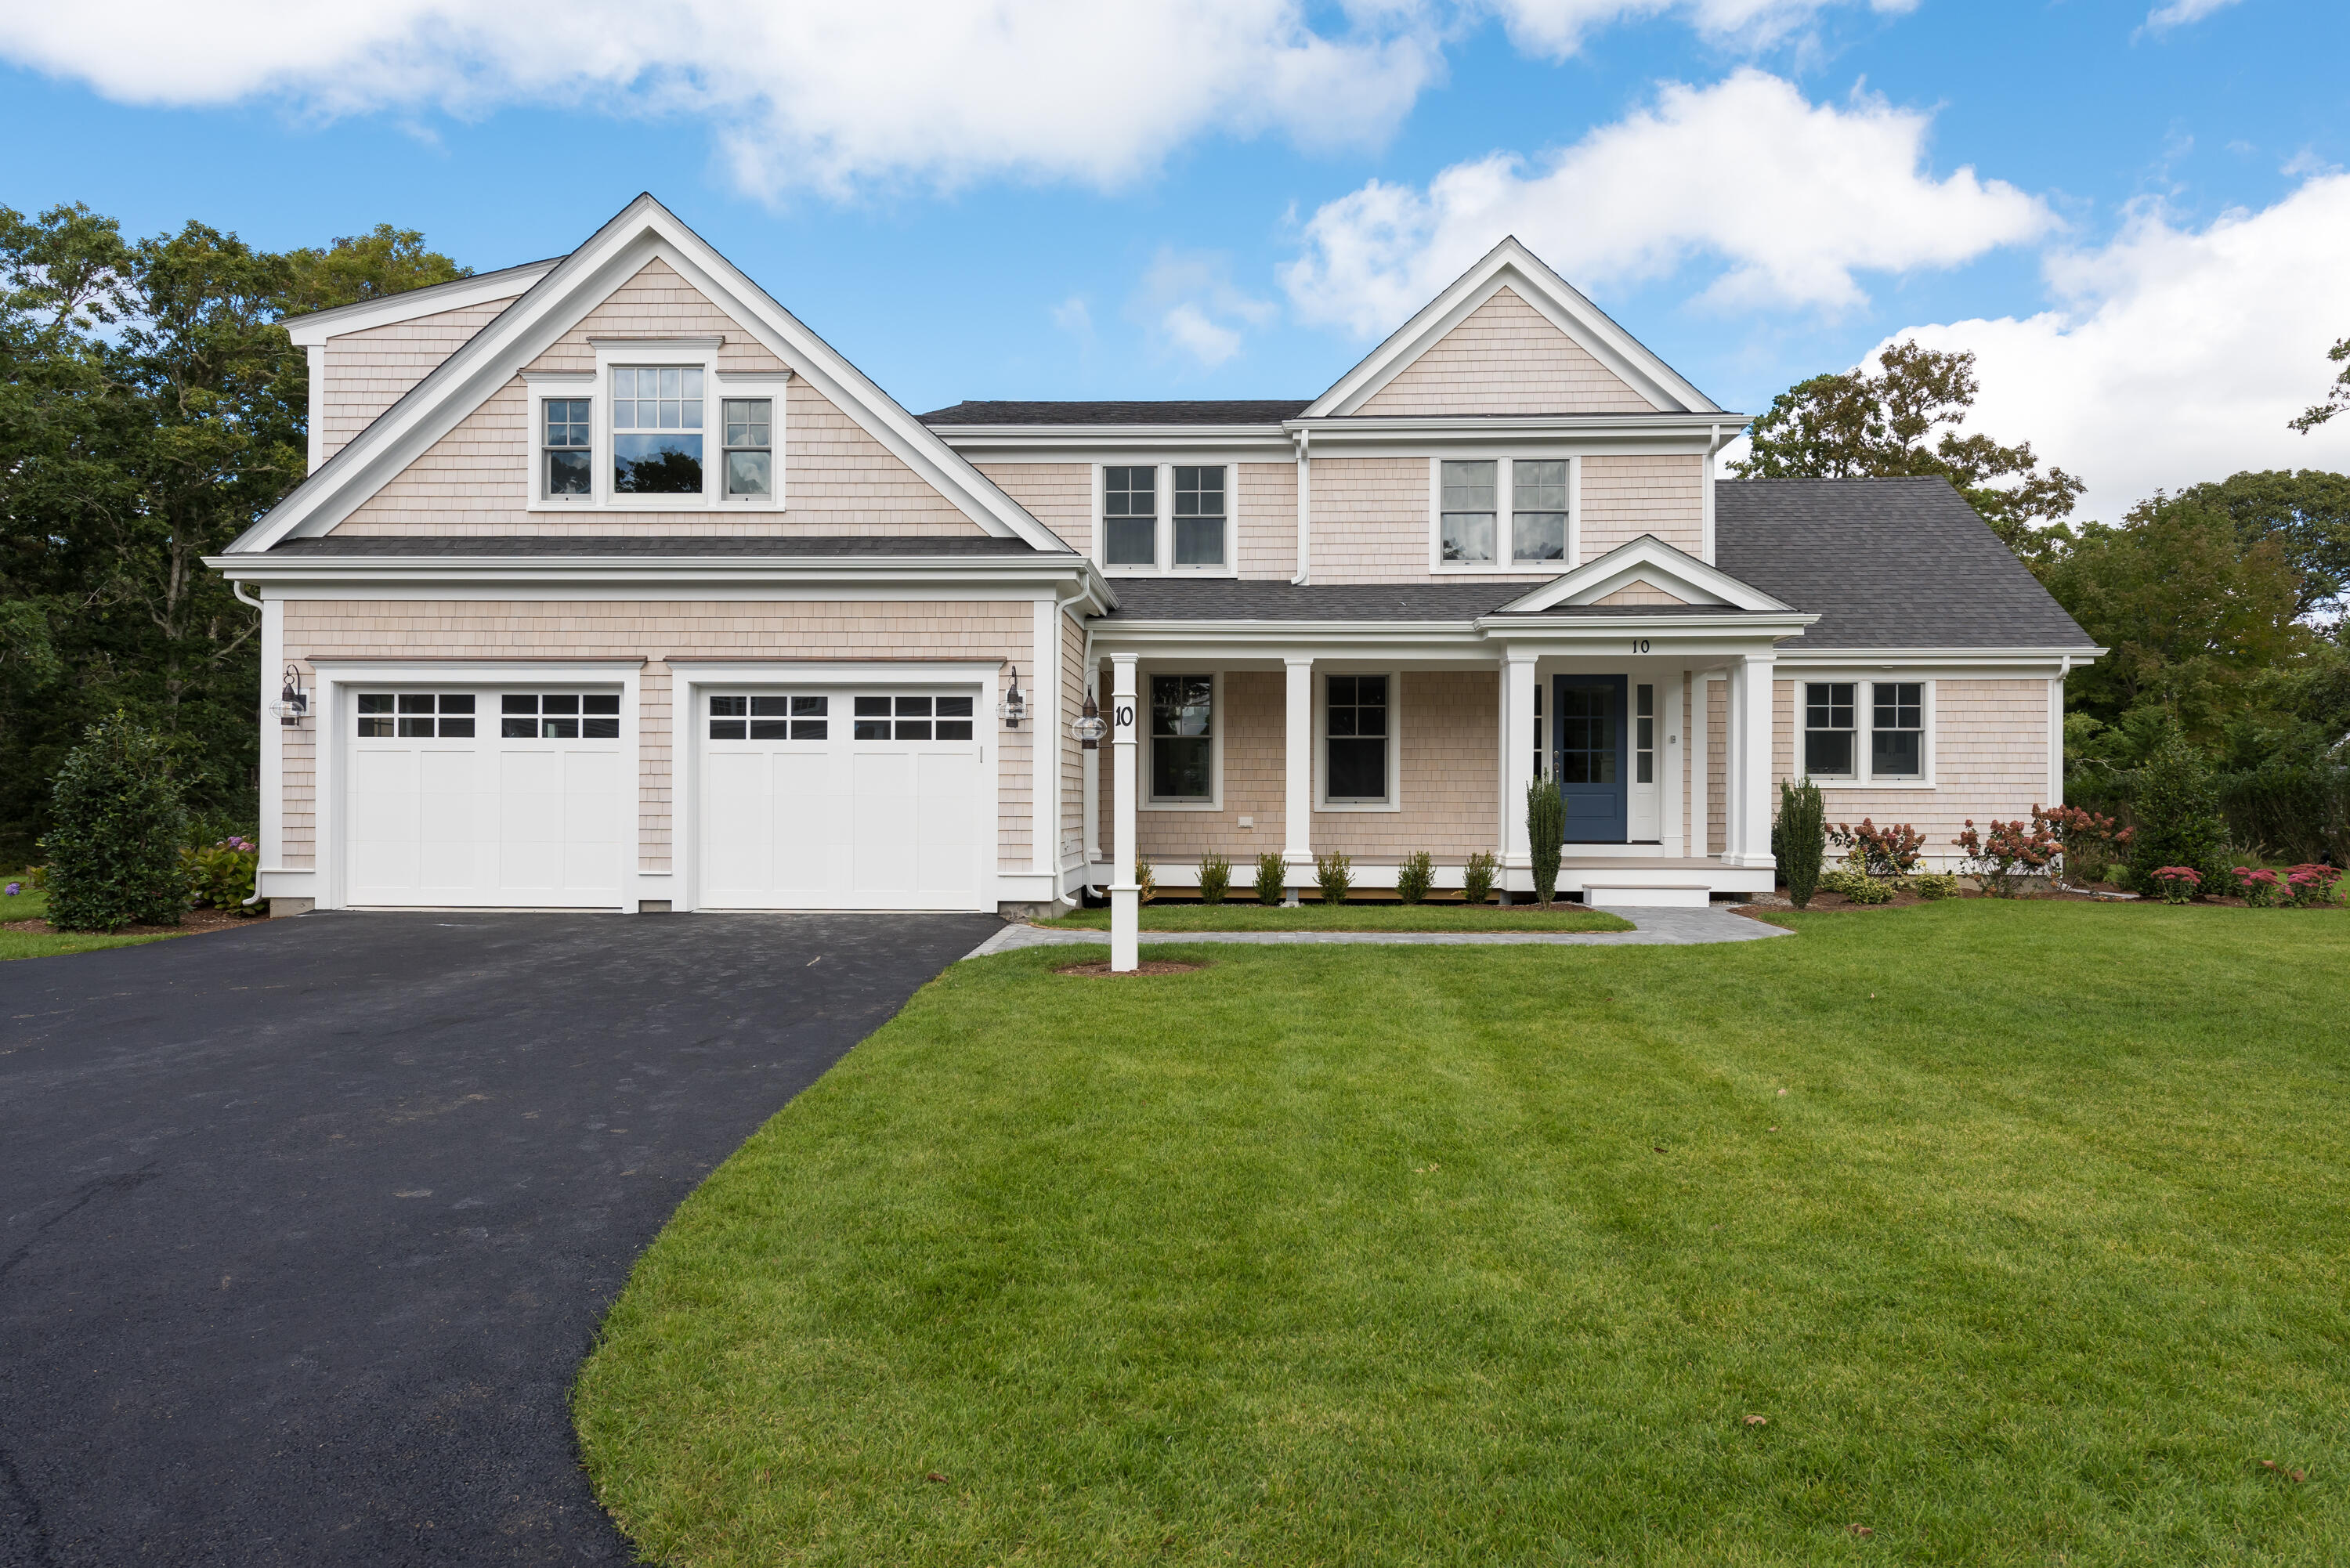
x=1511 y=265
x=641 y=232
x=1887 y=563
x=1651 y=560
x=1240 y=411
x=315 y=327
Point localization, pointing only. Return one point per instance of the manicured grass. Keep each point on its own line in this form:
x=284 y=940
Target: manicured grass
x=32 y=905
x=1338 y=1255
x=1315 y=915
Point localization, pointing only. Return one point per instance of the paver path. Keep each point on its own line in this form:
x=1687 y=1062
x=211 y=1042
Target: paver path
x=1652 y=928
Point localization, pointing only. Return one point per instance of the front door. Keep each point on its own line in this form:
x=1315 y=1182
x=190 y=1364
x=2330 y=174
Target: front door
x=1587 y=755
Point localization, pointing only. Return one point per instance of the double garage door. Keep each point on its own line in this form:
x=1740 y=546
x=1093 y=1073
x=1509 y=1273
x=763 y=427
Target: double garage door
x=814 y=798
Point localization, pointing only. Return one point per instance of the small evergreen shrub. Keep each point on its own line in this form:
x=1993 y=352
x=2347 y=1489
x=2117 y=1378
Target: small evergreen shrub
x=1857 y=885
x=2177 y=811
x=1477 y=878
x=1271 y=879
x=114 y=846
x=1145 y=885
x=1215 y=879
x=1336 y=875
x=1931 y=885
x=1415 y=877
x=1546 y=835
x=1801 y=839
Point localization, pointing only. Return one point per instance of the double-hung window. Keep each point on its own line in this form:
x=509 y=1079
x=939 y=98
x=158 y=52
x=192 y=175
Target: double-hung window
x=1467 y=512
x=1182 y=737
x=1200 y=516
x=569 y=447
x=1131 y=516
x=1828 y=727
x=1538 y=509
x=1896 y=731
x=749 y=446
x=657 y=430
x=1356 y=720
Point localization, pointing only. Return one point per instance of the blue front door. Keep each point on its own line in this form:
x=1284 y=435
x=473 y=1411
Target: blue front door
x=1587 y=738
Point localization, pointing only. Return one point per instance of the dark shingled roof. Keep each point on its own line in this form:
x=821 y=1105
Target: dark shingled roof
x=447 y=545
x=1885 y=563
x=1255 y=412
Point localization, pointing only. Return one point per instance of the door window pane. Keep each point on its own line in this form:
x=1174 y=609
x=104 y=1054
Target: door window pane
x=1585 y=722
x=1644 y=734
x=1467 y=505
x=1828 y=729
x=1183 y=730
x=1538 y=518
x=1356 y=740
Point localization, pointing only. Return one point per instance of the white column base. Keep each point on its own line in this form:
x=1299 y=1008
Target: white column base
x=1125 y=928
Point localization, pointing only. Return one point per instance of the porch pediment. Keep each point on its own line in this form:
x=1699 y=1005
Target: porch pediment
x=1646 y=571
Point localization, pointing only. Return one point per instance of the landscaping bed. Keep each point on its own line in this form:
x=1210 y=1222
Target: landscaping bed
x=1312 y=916
x=25 y=931
x=2008 y=1232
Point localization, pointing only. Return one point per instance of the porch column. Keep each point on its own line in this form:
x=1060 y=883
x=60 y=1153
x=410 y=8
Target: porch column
x=1124 y=910
x=1701 y=765
x=1669 y=775
x=1297 y=778
x=1746 y=783
x=1517 y=758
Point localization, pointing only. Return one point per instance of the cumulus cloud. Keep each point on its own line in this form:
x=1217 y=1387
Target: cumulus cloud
x=829 y=93
x=1190 y=302
x=2177 y=353
x=1557 y=28
x=1792 y=197
x=2180 y=13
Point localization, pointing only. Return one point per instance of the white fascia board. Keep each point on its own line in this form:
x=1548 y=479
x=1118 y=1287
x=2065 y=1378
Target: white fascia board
x=1674 y=628
x=1648 y=556
x=1698 y=433
x=670 y=575
x=1849 y=659
x=643 y=232
x=318 y=326
x=1084 y=444
x=1551 y=294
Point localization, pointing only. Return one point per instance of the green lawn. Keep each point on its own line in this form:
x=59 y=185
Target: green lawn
x=30 y=904
x=1346 y=1255
x=1313 y=916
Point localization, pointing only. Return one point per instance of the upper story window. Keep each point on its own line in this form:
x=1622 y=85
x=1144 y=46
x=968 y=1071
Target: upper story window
x=1896 y=731
x=571 y=443
x=1182 y=737
x=657 y=431
x=749 y=446
x=1538 y=509
x=1200 y=516
x=1467 y=510
x=1131 y=516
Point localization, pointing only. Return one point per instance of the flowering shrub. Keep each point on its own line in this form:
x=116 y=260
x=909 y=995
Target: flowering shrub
x=2311 y=885
x=2262 y=889
x=2177 y=884
x=2090 y=843
x=2011 y=856
x=1889 y=851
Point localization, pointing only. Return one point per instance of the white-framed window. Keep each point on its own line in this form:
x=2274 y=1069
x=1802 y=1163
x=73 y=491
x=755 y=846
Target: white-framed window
x=750 y=448
x=1130 y=515
x=657 y=430
x=1358 y=739
x=1644 y=733
x=1466 y=515
x=1867 y=732
x=657 y=426
x=1202 y=516
x=1165 y=517
x=567 y=448
x=1184 y=738
x=1512 y=513
x=1538 y=509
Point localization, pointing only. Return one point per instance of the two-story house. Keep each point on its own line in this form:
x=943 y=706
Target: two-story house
x=613 y=586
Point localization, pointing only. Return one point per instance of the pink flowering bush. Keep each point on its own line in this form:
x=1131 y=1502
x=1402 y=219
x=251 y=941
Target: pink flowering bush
x=2309 y=885
x=2262 y=889
x=220 y=876
x=1886 y=852
x=2011 y=856
x=2090 y=842
x=2178 y=884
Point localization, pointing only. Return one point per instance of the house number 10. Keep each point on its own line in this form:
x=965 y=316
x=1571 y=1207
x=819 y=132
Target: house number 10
x=1122 y=715
x=1640 y=645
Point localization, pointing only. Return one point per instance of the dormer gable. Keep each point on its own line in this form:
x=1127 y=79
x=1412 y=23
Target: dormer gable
x=1647 y=571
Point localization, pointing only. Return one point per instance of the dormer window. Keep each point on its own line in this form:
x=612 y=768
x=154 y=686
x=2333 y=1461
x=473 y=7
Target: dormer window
x=749 y=447
x=1131 y=516
x=570 y=458
x=1501 y=514
x=1469 y=512
x=1538 y=521
x=657 y=431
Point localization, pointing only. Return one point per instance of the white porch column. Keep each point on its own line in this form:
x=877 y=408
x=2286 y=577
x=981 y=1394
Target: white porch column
x=1517 y=758
x=272 y=730
x=1124 y=910
x=1297 y=777
x=1669 y=773
x=1751 y=715
x=1701 y=765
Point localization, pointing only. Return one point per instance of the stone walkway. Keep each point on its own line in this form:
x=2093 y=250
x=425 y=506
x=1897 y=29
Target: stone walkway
x=1652 y=928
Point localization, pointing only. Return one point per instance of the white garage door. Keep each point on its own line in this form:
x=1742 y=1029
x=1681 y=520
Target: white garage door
x=840 y=799
x=487 y=797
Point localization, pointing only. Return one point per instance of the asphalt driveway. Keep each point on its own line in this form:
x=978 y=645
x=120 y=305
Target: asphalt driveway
x=305 y=1227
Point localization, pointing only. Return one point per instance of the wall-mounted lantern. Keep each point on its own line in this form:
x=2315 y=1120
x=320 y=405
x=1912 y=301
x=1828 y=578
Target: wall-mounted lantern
x=1089 y=727
x=1014 y=706
x=292 y=703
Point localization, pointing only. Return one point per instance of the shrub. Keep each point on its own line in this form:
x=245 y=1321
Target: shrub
x=1336 y=875
x=1801 y=839
x=2262 y=888
x=2090 y=842
x=1415 y=877
x=1146 y=886
x=113 y=850
x=1477 y=878
x=1546 y=835
x=1215 y=879
x=2178 y=821
x=2177 y=884
x=2311 y=886
x=220 y=876
x=2010 y=858
x=1271 y=879
x=1852 y=879
x=1889 y=851
x=1930 y=884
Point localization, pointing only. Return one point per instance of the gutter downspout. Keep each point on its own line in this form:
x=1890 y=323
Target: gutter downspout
x=1305 y=439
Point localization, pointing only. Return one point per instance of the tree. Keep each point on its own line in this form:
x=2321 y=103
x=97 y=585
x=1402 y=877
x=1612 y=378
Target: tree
x=2337 y=395
x=2306 y=511
x=1855 y=425
x=114 y=852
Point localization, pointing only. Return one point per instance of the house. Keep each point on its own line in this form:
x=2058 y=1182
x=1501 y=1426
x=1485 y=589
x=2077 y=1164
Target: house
x=613 y=586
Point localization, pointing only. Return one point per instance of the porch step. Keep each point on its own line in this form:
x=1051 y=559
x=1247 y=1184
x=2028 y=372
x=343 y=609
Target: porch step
x=1643 y=896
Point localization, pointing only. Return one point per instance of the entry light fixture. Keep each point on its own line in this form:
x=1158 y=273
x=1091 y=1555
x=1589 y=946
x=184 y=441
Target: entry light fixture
x=1014 y=706
x=293 y=704
x=1089 y=726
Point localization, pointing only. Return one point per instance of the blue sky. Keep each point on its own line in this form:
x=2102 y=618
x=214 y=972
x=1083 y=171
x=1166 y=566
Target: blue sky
x=2137 y=220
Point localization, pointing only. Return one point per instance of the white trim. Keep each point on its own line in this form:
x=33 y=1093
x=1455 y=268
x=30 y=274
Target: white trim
x=1163 y=538
x=273 y=731
x=316 y=416
x=1323 y=670
x=1045 y=738
x=336 y=321
x=1664 y=566
x=1145 y=768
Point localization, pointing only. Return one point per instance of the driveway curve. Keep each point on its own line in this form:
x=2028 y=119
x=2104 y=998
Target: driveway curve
x=306 y=1227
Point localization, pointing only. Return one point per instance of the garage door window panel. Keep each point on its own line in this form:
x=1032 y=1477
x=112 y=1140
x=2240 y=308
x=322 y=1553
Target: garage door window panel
x=559 y=716
x=415 y=715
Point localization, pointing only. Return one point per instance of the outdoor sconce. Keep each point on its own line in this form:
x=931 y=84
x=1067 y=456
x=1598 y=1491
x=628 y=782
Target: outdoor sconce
x=1014 y=706
x=1089 y=727
x=292 y=703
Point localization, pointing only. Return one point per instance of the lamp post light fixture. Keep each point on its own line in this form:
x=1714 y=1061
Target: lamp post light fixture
x=293 y=704
x=1014 y=706
x=1089 y=727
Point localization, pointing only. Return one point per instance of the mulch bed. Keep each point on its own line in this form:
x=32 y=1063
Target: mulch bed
x=1103 y=971
x=194 y=920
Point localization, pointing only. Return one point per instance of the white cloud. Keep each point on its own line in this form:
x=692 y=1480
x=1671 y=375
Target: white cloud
x=1793 y=197
x=823 y=92
x=1073 y=317
x=1557 y=28
x=1188 y=299
x=1189 y=329
x=2180 y=13
x=2179 y=354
